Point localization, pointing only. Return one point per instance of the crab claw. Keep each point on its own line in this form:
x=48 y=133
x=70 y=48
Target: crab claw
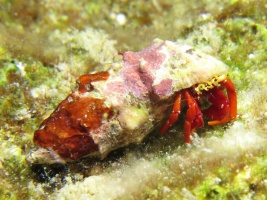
x=223 y=109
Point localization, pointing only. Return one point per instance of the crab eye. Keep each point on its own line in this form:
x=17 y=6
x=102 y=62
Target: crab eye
x=202 y=87
x=215 y=81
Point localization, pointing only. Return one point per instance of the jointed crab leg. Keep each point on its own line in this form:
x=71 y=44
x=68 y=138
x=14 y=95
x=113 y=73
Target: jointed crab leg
x=231 y=93
x=193 y=115
x=174 y=115
x=193 y=118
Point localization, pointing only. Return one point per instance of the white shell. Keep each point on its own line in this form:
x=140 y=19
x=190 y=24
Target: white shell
x=187 y=66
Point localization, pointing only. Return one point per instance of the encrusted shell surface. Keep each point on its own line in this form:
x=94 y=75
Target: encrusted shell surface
x=186 y=66
x=121 y=106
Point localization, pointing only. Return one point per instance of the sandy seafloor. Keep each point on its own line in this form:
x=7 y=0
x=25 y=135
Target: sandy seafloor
x=46 y=45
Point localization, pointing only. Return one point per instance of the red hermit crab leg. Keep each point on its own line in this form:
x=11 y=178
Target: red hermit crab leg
x=173 y=116
x=193 y=115
x=231 y=93
x=193 y=118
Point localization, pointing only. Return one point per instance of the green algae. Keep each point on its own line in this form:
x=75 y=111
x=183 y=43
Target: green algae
x=16 y=123
x=17 y=77
x=247 y=183
x=245 y=49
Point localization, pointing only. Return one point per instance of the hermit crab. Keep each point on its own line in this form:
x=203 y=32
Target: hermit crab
x=122 y=105
x=221 y=110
